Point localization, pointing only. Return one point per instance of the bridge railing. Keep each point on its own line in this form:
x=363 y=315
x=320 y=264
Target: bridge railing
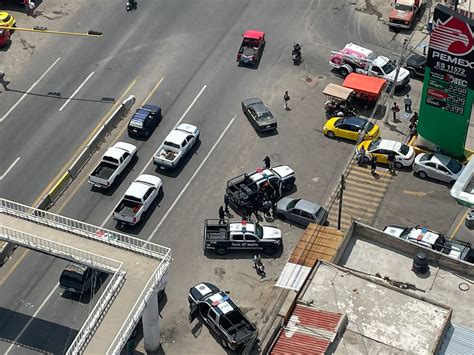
x=83 y=229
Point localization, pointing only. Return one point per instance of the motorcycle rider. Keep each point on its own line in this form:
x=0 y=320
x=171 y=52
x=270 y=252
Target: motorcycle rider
x=132 y=5
x=296 y=52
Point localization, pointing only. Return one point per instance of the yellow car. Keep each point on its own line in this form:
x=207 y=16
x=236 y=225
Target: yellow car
x=381 y=148
x=7 y=20
x=349 y=127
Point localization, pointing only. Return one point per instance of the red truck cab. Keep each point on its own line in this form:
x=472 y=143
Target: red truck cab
x=403 y=13
x=252 y=47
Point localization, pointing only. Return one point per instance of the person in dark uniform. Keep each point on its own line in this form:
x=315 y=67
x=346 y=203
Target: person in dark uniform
x=266 y=161
x=221 y=215
x=226 y=203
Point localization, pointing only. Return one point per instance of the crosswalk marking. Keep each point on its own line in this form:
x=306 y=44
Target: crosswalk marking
x=362 y=196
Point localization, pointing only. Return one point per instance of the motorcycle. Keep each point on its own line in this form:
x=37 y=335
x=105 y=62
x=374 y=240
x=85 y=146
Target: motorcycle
x=296 y=54
x=131 y=5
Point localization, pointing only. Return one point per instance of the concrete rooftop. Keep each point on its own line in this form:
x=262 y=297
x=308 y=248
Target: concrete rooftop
x=382 y=319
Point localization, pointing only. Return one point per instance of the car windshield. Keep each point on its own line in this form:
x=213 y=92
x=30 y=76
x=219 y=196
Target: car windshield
x=454 y=166
x=291 y=205
x=404 y=149
x=374 y=145
x=171 y=144
x=264 y=116
x=368 y=127
x=403 y=7
x=136 y=123
x=258 y=231
x=405 y=233
x=388 y=67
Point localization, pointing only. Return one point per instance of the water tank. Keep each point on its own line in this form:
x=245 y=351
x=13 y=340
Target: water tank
x=420 y=263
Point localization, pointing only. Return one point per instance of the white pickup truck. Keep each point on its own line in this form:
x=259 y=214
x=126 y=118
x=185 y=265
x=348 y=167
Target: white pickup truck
x=178 y=142
x=113 y=163
x=138 y=198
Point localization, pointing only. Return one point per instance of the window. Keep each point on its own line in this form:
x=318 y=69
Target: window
x=431 y=165
x=306 y=215
x=212 y=315
x=250 y=238
x=188 y=139
x=377 y=70
x=183 y=144
x=238 y=237
x=443 y=169
x=148 y=193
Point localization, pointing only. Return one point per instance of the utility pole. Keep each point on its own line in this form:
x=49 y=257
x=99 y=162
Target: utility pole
x=340 y=194
x=397 y=71
x=41 y=29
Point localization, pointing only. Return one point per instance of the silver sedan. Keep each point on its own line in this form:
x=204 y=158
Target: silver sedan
x=301 y=211
x=437 y=166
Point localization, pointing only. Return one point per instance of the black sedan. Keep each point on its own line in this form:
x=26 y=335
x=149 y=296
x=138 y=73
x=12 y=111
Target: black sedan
x=416 y=64
x=259 y=114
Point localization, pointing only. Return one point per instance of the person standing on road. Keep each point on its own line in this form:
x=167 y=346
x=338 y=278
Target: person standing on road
x=286 y=98
x=407 y=101
x=221 y=215
x=266 y=161
x=3 y=82
x=395 y=109
x=391 y=163
x=373 y=165
x=414 y=118
x=361 y=158
x=226 y=203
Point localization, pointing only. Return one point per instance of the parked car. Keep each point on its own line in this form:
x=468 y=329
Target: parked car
x=455 y=249
x=381 y=148
x=176 y=145
x=349 y=127
x=222 y=315
x=259 y=114
x=437 y=166
x=301 y=211
x=138 y=198
x=416 y=65
x=77 y=278
x=144 y=121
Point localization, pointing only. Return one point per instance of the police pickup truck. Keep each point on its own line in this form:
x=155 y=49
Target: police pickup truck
x=222 y=315
x=243 y=235
x=275 y=182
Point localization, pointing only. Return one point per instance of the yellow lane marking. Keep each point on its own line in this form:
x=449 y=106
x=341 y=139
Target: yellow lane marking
x=456 y=229
x=66 y=200
x=120 y=132
x=81 y=147
x=415 y=193
x=22 y=256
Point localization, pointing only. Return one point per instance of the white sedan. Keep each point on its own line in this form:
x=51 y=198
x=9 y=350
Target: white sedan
x=437 y=166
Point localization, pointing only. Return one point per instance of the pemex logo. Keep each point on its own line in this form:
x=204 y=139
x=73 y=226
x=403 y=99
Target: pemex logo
x=452 y=36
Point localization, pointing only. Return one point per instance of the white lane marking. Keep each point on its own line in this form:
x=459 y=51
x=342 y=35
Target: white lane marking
x=151 y=160
x=32 y=318
x=75 y=92
x=190 y=180
x=29 y=90
x=190 y=106
x=9 y=168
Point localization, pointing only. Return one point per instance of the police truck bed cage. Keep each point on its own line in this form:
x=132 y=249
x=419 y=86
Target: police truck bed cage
x=241 y=189
x=213 y=230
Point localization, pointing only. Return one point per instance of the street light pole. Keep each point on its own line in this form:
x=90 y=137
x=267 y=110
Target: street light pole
x=341 y=191
x=397 y=72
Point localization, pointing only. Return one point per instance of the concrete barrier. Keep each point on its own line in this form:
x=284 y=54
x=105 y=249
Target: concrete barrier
x=60 y=186
x=114 y=118
x=44 y=203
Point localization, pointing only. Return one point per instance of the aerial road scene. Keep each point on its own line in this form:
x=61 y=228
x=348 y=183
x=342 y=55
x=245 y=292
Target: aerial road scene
x=236 y=177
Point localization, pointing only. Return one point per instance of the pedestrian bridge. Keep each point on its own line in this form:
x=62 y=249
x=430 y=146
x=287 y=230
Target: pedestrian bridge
x=136 y=266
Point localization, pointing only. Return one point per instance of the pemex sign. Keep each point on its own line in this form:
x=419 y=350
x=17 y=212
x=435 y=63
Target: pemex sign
x=448 y=88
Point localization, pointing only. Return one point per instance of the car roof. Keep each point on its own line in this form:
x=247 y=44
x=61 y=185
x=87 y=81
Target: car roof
x=75 y=268
x=440 y=159
x=137 y=189
x=380 y=61
x=355 y=120
x=251 y=101
x=186 y=127
x=416 y=59
x=176 y=136
x=307 y=206
x=254 y=34
x=390 y=145
x=239 y=227
x=148 y=179
x=260 y=108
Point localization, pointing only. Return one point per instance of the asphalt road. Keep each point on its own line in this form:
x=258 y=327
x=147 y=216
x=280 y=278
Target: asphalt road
x=192 y=46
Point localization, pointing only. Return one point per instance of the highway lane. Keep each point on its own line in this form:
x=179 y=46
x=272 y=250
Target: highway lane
x=227 y=84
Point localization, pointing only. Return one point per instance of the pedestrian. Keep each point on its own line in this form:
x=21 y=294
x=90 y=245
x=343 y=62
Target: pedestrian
x=361 y=157
x=391 y=163
x=221 y=215
x=226 y=203
x=267 y=205
x=414 y=118
x=413 y=131
x=373 y=165
x=407 y=101
x=266 y=161
x=32 y=7
x=286 y=98
x=395 y=109
x=27 y=7
x=3 y=82
x=257 y=260
x=255 y=208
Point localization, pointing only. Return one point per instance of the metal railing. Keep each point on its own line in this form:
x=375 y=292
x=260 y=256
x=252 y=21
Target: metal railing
x=84 y=229
x=134 y=316
x=59 y=249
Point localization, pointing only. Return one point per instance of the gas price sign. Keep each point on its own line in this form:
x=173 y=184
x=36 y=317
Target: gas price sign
x=449 y=82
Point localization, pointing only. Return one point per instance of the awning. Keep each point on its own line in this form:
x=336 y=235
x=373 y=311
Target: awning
x=337 y=91
x=369 y=85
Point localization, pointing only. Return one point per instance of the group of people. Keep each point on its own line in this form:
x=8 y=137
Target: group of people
x=362 y=158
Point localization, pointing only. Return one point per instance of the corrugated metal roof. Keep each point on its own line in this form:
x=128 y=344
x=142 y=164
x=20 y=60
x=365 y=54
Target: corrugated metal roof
x=457 y=340
x=308 y=331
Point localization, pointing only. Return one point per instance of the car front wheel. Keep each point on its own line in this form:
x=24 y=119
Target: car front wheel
x=331 y=134
x=398 y=165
